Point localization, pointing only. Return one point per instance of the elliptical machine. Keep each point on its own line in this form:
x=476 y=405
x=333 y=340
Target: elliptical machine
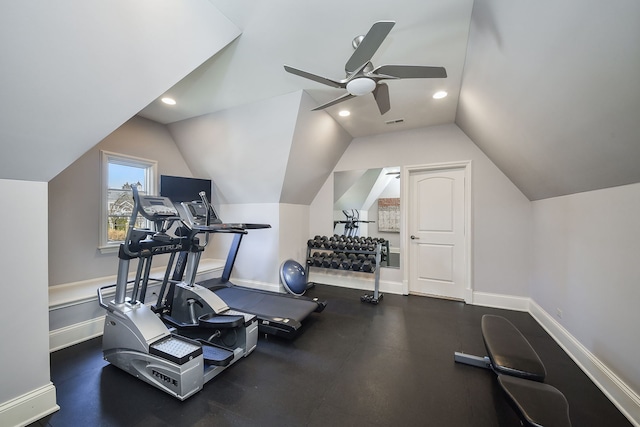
x=178 y=356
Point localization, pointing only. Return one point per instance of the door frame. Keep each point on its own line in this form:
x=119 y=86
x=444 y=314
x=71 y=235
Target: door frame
x=405 y=175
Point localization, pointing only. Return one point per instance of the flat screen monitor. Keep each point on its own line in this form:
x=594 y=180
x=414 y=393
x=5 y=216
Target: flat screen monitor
x=182 y=189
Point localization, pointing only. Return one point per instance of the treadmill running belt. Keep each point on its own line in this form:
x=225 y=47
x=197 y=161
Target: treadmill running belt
x=266 y=305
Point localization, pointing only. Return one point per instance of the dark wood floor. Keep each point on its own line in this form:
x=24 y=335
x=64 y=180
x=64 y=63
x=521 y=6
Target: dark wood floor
x=354 y=364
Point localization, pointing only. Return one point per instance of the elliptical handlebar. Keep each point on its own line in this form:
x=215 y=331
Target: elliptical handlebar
x=132 y=222
x=207 y=222
x=207 y=206
x=154 y=209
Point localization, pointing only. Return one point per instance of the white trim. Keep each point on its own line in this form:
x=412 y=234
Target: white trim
x=353 y=280
x=75 y=334
x=30 y=407
x=468 y=221
x=151 y=185
x=507 y=302
x=263 y=286
x=620 y=394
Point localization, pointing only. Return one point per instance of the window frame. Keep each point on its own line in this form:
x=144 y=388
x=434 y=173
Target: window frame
x=151 y=182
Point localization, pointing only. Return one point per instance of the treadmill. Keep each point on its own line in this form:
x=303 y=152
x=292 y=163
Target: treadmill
x=278 y=314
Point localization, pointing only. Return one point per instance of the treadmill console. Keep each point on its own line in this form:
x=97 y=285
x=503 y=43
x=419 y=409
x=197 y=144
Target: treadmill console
x=157 y=208
x=196 y=213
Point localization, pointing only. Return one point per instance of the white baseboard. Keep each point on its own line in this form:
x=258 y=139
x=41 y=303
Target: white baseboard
x=263 y=286
x=30 y=407
x=353 y=280
x=507 y=302
x=625 y=399
x=76 y=333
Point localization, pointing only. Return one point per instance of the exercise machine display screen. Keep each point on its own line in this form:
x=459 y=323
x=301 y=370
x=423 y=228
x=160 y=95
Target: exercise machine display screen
x=157 y=207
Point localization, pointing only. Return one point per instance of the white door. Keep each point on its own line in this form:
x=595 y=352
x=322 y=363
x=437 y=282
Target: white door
x=437 y=263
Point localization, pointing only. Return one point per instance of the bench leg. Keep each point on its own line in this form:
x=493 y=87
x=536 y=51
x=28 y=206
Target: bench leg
x=469 y=359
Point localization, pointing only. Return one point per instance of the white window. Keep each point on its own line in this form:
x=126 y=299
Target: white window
x=119 y=174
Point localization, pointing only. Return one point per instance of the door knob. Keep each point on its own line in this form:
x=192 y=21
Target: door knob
x=414 y=237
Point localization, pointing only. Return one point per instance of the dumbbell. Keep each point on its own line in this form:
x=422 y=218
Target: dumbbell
x=335 y=262
x=317 y=259
x=326 y=261
x=368 y=266
x=346 y=263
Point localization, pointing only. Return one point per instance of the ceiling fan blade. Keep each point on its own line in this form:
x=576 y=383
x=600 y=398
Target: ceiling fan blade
x=411 y=71
x=314 y=77
x=334 y=102
x=381 y=95
x=369 y=45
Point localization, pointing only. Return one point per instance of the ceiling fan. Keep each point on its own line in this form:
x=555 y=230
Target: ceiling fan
x=362 y=78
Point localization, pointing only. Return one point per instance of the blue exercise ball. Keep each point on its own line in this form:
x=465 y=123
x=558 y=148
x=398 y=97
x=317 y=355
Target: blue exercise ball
x=293 y=277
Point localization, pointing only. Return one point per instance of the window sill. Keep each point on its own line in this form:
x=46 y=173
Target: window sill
x=110 y=249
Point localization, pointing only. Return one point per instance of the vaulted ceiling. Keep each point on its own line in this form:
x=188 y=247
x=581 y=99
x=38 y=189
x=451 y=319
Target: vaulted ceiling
x=548 y=90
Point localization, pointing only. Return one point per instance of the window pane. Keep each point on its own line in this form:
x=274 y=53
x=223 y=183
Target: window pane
x=119 y=201
x=125 y=175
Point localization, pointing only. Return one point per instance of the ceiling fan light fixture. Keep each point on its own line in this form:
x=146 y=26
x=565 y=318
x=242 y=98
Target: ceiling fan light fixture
x=440 y=94
x=361 y=86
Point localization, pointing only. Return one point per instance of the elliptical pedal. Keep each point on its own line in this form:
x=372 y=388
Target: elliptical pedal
x=216 y=356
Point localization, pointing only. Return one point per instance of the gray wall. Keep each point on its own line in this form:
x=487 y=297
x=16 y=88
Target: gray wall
x=587 y=252
x=74 y=195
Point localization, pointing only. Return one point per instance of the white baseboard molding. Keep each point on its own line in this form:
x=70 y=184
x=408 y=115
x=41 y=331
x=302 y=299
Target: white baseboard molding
x=620 y=394
x=30 y=407
x=263 y=286
x=507 y=302
x=76 y=333
x=353 y=280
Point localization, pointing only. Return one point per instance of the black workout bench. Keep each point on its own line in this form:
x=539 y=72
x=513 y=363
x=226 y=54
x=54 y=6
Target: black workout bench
x=520 y=374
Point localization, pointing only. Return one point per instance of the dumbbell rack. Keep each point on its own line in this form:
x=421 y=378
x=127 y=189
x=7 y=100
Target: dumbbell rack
x=375 y=270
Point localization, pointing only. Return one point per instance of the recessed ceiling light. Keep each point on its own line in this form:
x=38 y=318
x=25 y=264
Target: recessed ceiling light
x=169 y=101
x=439 y=95
x=344 y=113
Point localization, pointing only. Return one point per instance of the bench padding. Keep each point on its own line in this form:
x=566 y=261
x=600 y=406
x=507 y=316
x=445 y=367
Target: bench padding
x=536 y=403
x=509 y=351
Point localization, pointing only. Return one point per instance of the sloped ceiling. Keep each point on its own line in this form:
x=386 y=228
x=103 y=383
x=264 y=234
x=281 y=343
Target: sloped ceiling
x=317 y=36
x=271 y=151
x=551 y=92
x=75 y=71
x=548 y=90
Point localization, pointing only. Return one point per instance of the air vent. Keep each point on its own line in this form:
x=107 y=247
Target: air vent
x=394 y=122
